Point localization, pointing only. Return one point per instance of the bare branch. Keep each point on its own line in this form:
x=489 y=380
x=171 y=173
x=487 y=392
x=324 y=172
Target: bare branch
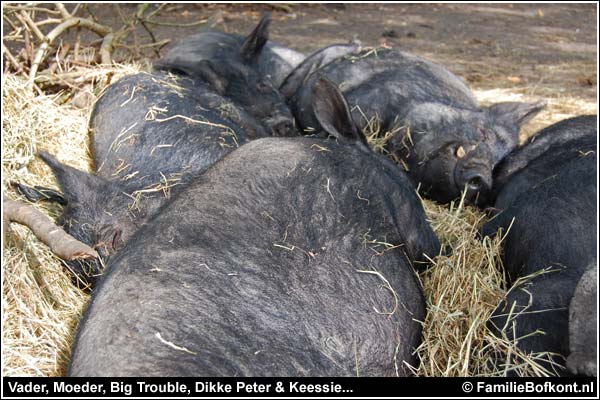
x=12 y=25
x=101 y=30
x=27 y=19
x=13 y=61
x=63 y=11
x=61 y=243
x=29 y=8
x=106 y=48
x=158 y=9
x=49 y=21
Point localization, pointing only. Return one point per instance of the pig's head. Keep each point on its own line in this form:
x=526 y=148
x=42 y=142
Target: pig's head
x=449 y=150
x=236 y=77
x=96 y=213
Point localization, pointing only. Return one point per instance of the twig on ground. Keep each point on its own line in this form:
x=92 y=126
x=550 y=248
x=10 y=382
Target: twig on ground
x=105 y=49
x=31 y=25
x=18 y=68
x=63 y=11
x=61 y=243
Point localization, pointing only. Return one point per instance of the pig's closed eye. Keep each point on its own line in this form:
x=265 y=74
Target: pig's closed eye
x=116 y=238
x=264 y=87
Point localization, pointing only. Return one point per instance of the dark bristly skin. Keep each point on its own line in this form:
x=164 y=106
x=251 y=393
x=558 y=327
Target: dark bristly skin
x=173 y=123
x=148 y=127
x=549 y=189
x=310 y=64
x=250 y=69
x=207 y=85
x=511 y=175
x=274 y=262
x=98 y=213
x=443 y=137
x=274 y=62
x=150 y=133
x=583 y=323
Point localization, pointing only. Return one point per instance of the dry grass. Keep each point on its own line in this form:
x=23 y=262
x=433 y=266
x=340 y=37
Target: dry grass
x=41 y=307
x=559 y=106
x=461 y=291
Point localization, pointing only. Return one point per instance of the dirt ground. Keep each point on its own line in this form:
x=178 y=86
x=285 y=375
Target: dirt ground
x=529 y=50
x=550 y=49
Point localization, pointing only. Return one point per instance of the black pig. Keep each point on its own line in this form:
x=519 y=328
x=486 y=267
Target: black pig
x=147 y=127
x=288 y=257
x=583 y=323
x=310 y=64
x=238 y=68
x=441 y=136
x=549 y=190
x=512 y=176
x=269 y=59
x=152 y=132
x=98 y=212
x=147 y=130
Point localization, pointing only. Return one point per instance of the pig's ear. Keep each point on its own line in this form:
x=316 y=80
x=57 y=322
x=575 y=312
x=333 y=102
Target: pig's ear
x=332 y=111
x=517 y=113
x=75 y=185
x=205 y=70
x=256 y=40
x=294 y=80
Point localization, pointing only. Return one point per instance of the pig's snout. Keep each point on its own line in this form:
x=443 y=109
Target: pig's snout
x=477 y=179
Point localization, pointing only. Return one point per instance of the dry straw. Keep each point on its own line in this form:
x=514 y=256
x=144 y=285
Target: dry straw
x=40 y=306
x=462 y=290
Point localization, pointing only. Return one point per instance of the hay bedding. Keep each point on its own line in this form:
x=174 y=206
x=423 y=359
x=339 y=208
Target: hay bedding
x=41 y=307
